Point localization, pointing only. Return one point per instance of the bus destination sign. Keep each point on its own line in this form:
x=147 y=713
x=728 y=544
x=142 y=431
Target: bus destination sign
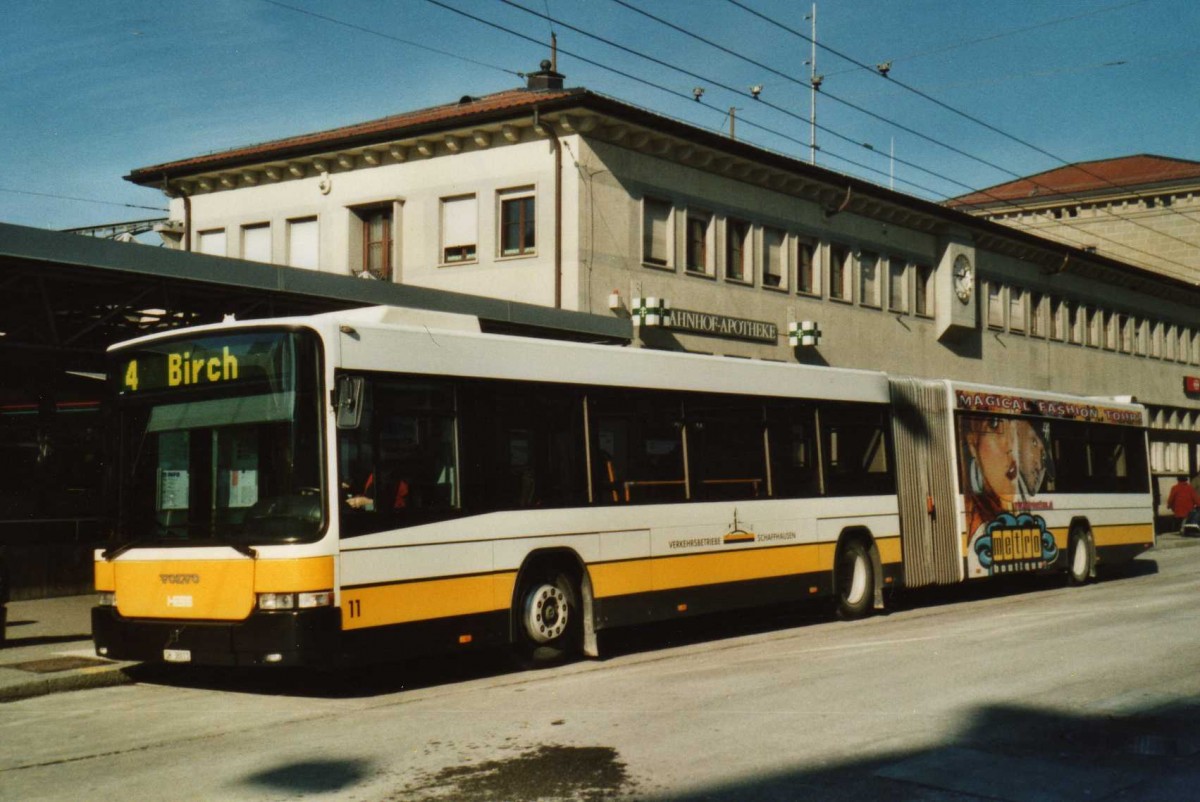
x=201 y=363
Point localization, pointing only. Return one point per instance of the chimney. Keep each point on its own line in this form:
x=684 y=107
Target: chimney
x=545 y=78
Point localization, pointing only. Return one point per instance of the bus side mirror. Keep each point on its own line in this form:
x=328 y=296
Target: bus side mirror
x=349 y=401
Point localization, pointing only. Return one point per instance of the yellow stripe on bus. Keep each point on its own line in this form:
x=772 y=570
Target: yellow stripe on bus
x=442 y=598
x=1123 y=535
x=425 y=600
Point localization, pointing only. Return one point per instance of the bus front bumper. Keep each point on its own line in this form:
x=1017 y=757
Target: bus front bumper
x=291 y=638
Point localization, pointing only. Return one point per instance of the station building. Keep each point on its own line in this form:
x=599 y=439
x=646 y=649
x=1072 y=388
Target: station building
x=1142 y=209
x=570 y=199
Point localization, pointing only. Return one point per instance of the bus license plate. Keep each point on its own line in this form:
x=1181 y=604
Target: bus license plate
x=177 y=655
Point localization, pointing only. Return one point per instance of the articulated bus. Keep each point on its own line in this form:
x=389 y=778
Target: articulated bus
x=381 y=483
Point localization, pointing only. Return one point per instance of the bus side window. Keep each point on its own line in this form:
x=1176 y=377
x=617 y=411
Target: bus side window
x=726 y=448
x=854 y=449
x=641 y=433
x=793 y=444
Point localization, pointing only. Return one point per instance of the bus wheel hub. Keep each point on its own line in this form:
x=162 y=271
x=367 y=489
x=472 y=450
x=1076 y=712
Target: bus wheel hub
x=546 y=613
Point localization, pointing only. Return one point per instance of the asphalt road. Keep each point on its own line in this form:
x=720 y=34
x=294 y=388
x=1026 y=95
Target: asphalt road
x=1020 y=691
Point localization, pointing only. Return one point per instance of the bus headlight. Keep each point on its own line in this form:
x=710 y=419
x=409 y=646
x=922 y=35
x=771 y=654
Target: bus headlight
x=321 y=598
x=107 y=599
x=276 y=601
x=294 y=601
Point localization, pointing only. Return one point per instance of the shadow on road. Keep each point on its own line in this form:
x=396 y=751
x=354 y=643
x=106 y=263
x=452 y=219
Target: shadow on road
x=1008 y=753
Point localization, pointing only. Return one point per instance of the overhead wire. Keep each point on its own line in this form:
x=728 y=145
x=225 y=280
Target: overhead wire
x=1002 y=34
x=801 y=118
x=659 y=87
x=81 y=200
x=689 y=97
x=374 y=32
x=971 y=118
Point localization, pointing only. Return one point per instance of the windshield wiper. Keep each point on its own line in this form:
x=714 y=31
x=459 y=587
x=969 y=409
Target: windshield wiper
x=113 y=553
x=242 y=548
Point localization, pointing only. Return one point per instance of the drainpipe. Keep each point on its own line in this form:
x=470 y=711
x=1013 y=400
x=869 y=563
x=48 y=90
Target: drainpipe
x=187 y=213
x=548 y=129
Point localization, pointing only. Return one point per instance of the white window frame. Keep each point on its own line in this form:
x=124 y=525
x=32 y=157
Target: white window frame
x=301 y=224
x=213 y=242
x=868 y=262
x=784 y=262
x=511 y=195
x=707 y=267
x=814 y=265
x=649 y=242
x=459 y=231
x=254 y=232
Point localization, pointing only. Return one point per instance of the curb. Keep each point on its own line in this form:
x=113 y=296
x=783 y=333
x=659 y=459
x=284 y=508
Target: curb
x=78 y=680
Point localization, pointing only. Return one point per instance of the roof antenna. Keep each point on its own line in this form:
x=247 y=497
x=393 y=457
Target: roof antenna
x=553 y=51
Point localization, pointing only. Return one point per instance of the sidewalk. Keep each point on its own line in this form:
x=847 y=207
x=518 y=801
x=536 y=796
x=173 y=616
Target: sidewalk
x=50 y=648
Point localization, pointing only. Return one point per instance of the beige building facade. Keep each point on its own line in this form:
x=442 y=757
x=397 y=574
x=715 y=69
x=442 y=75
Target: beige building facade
x=563 y=197
x=1142 y=209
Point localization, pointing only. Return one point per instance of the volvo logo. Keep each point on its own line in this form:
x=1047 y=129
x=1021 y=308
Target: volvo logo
x=180 y=579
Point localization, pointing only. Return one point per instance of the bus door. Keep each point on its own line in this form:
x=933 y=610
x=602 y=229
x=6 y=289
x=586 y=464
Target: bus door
x=925 y=482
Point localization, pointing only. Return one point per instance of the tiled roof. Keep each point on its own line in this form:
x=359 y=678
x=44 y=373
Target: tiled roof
x=1105 y=175
x=468 y=109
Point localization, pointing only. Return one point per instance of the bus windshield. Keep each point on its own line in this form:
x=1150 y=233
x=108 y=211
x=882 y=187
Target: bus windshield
x=219 y=439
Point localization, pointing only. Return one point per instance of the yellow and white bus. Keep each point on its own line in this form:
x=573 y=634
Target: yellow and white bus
x=379 y=483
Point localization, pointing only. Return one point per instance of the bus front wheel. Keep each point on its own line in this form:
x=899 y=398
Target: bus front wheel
x=854 y=580
x=550 y=620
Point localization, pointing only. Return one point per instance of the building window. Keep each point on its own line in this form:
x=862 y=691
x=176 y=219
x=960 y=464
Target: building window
x=897 y=284
x=806 y=266
x=995 y=315
x=256 y=242
x=377 y=230
x=868 y=278
x=460 y=227
x=518 y=223
x=1057 y=319
x=1038 y=304
x=1095 y=328
x=1074 y=323
x=839 y=272
x=656 y=229
x=737 y=250
x=1016 y=309
x=211 y=242
x=699 y=230
x=303 y=243
x=774 y=269
x=923 y=297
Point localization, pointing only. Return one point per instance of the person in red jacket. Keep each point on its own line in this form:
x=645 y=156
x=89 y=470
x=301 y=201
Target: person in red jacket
x=1182 y=499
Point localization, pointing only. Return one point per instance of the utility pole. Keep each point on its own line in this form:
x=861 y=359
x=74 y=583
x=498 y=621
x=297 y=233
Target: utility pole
x=815 y=82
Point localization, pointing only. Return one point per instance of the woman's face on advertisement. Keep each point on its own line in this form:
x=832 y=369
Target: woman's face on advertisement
x=995 y=453
x=1032 y=457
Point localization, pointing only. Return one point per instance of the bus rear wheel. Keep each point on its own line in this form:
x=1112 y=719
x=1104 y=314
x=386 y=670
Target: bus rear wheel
x=1081 y=557
x=549 y=619
x=854 y=581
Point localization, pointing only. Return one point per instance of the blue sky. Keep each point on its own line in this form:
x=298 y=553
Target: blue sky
x=94 y=89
